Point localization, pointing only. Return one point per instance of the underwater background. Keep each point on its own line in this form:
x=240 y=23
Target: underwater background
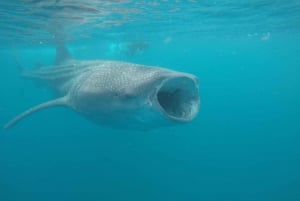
x=244 y=145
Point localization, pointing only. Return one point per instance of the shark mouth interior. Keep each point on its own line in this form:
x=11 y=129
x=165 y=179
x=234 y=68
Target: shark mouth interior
x=178 y=98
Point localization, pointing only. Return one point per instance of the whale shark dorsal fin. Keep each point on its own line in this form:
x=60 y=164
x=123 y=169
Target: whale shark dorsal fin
x=63 y=101
x=62 y=54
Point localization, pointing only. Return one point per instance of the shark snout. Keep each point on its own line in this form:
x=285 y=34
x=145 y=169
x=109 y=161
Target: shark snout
x=178 y=98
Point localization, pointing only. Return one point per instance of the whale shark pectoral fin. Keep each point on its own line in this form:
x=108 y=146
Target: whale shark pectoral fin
x=63 y=101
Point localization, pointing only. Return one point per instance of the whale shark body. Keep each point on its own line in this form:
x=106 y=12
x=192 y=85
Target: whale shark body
x=118 y=94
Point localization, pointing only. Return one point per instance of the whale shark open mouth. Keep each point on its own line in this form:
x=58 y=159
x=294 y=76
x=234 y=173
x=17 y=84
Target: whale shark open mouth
x=178 y=98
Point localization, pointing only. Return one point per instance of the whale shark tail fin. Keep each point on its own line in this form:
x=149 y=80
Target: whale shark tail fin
x=63 y=101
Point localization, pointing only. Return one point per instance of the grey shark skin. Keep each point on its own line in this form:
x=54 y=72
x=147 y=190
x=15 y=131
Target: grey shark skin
x=119 y=94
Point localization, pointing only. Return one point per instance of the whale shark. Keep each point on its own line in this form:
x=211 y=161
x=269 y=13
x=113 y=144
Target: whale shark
x=116 y=93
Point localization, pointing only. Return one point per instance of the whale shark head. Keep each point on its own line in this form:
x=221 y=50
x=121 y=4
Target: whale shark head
x=139 y=97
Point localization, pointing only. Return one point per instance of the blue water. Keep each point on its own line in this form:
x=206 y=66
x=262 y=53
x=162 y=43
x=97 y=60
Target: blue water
x=243 y=146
